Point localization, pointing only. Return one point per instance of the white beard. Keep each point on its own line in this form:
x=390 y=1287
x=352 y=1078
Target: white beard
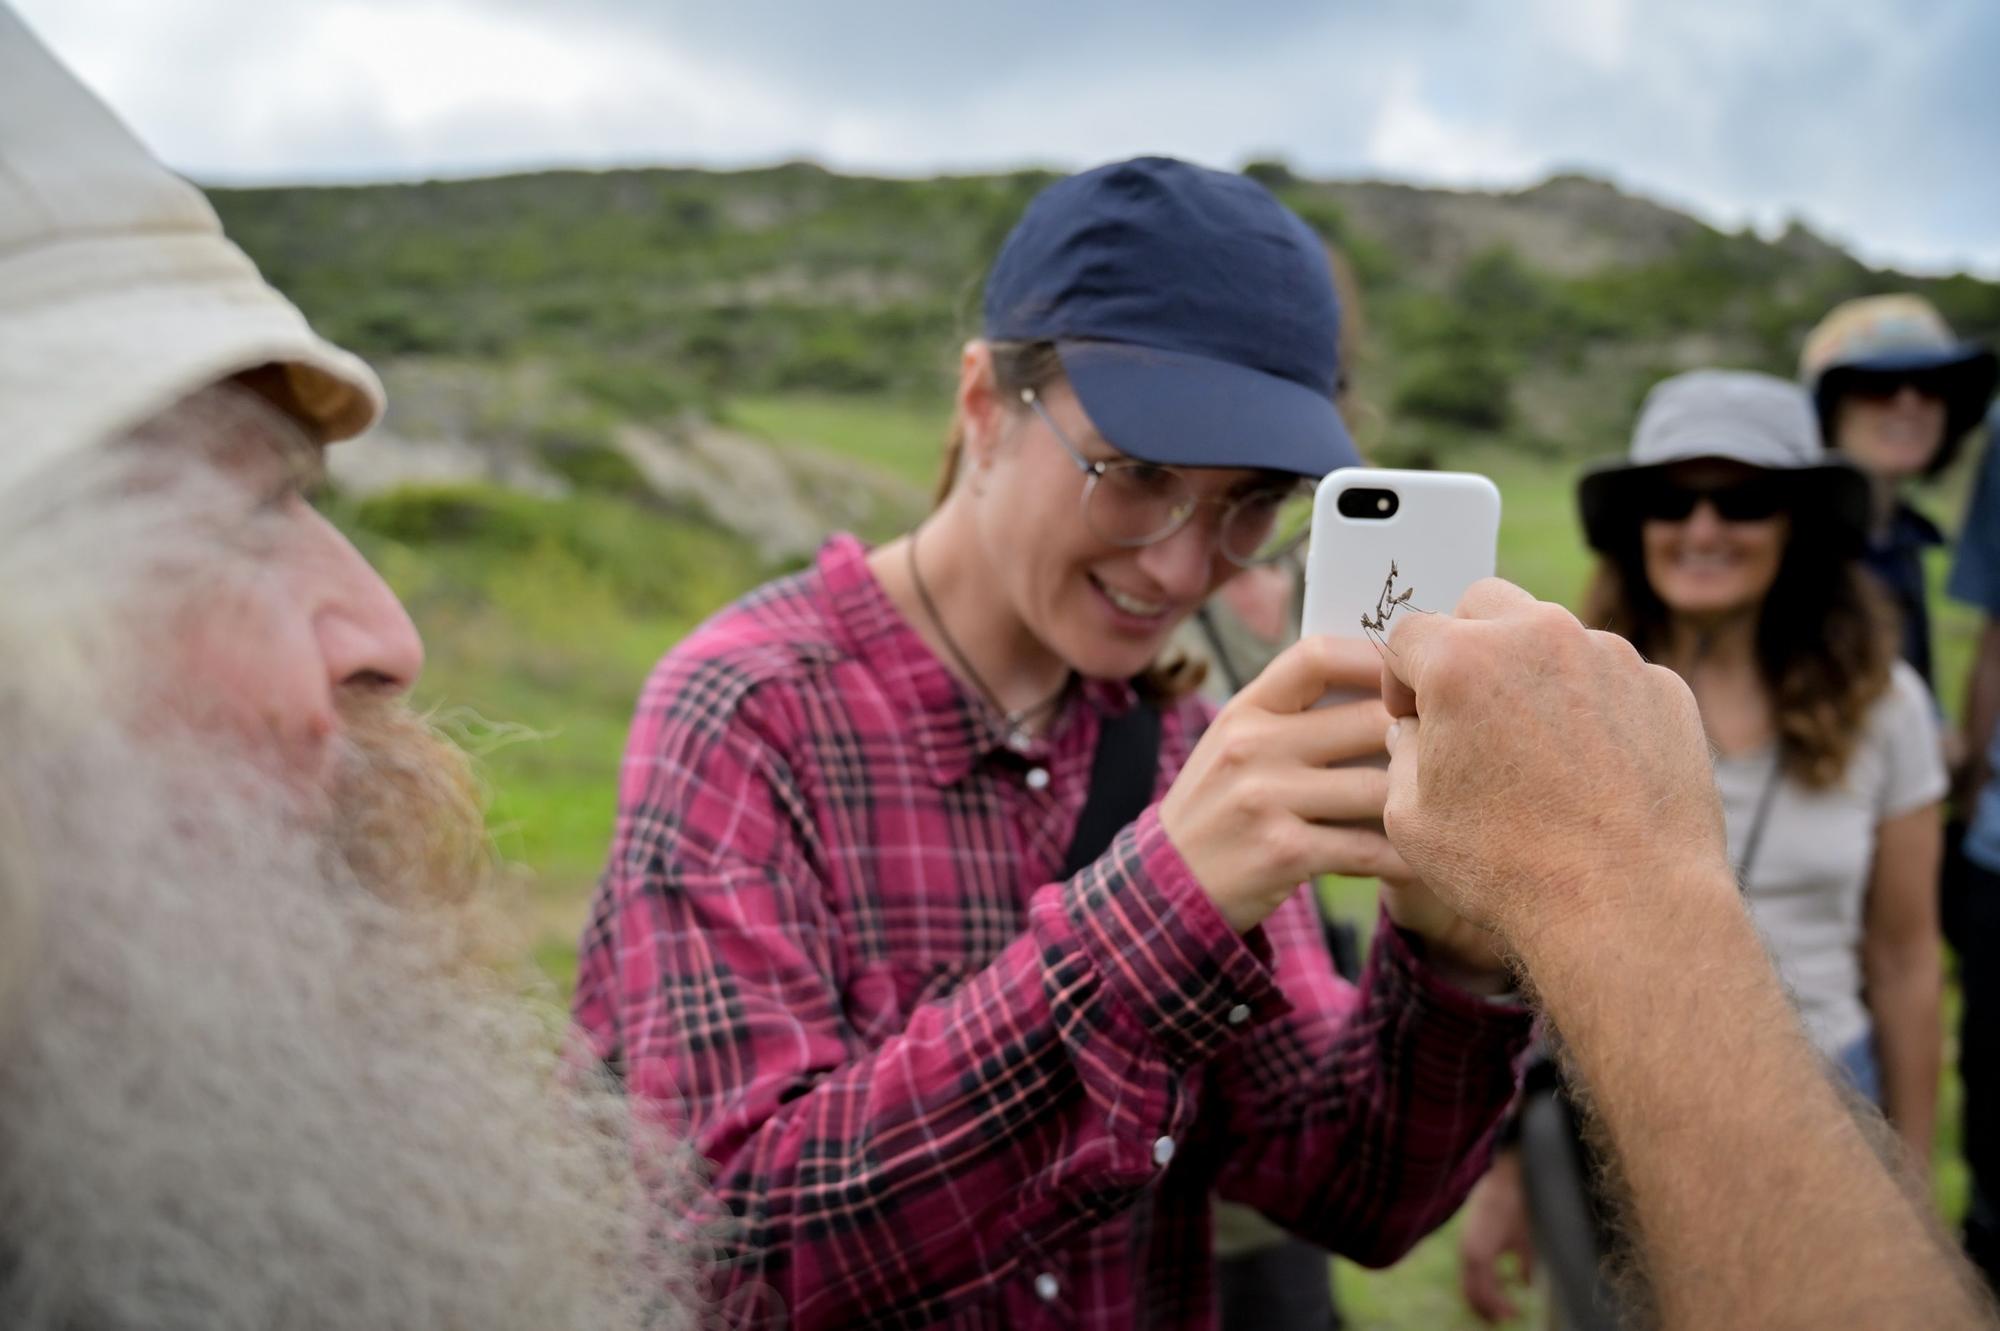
x=238 y=1091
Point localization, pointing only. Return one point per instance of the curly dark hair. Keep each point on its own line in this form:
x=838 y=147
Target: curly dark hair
x=1826 y=639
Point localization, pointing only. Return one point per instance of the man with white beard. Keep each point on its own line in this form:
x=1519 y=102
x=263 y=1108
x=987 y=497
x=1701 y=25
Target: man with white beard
x=251 y=1072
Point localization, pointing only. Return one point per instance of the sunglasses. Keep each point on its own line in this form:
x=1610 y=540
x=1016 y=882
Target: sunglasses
x=1884 y=384
x=1745 y=501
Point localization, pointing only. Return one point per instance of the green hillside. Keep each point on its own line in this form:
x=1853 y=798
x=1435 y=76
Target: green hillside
x=1535 y=317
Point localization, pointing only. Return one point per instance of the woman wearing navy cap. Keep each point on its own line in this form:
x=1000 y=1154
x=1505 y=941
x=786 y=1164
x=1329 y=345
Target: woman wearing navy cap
x=965 y=942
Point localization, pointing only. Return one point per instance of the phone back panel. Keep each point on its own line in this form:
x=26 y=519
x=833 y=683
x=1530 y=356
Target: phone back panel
x=1440 y=540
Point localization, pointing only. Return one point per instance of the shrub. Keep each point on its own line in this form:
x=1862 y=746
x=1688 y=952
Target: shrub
x=468 y=514
x=598 y=467
x=1468 y=387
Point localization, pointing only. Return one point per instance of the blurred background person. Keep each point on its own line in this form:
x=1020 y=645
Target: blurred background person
x=1729 y=547
x=252 y=1073
x=1896 y=394
x=1972 y=878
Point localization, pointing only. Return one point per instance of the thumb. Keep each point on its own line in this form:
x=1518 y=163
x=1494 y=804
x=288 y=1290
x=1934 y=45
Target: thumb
x=1397 y=696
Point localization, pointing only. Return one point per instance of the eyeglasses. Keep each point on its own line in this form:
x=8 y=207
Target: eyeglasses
x=1131 y=503
x=1746 y=501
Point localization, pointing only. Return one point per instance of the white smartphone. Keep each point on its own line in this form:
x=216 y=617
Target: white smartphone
x=1390 y=544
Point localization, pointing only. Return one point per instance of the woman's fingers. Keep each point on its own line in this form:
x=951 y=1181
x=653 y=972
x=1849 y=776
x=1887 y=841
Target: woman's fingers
x=1308 y=670
x=1352 y=851
x=1339 y=795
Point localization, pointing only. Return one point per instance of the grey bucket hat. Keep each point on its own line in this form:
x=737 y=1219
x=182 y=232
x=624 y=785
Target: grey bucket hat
x=1741 y=416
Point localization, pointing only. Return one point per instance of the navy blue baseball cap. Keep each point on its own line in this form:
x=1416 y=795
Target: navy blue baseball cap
x=1194 y=314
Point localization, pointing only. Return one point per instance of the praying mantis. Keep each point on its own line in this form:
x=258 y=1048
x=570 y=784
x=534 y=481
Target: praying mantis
x=1375 y=627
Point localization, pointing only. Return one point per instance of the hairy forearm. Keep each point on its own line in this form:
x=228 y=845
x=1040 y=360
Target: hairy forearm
x=1714 y=1104
x=1904 y=983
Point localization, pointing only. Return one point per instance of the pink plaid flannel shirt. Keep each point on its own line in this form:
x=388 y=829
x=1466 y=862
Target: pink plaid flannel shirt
x=935 y=1084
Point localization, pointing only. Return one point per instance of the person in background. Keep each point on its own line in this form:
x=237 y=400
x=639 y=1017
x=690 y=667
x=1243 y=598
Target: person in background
x=1897 y=394
x=970 y=949
x=1972 y=882
x=1728 y=547
x=252 y=1071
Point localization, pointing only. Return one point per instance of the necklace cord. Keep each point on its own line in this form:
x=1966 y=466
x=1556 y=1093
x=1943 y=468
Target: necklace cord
x=1016 y=721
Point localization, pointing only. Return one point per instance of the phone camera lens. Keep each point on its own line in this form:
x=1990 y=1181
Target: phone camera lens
x=1368 y=503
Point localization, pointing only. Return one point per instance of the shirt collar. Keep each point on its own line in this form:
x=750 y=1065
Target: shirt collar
x=956 y=728
x=1909 y=529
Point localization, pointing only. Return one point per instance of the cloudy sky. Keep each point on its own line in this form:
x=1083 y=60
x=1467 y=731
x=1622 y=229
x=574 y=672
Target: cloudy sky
x=1876 y=121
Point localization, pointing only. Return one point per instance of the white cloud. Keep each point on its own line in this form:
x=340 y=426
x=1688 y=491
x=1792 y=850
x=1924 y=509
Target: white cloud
x=1597 y=32
x=1410 y=137
x=1872 y=119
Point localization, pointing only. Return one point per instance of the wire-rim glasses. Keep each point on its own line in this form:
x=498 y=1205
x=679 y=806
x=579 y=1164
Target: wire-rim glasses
x=1131 y=503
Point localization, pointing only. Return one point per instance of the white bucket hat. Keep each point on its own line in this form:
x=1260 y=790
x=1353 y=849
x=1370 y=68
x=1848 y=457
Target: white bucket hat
x=119 y=294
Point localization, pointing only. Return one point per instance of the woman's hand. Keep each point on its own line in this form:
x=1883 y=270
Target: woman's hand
x=1262 y=806
x=1496 y=1223
x=1454 y=947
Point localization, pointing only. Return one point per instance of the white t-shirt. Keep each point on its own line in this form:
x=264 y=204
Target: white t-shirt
x=1808 y=885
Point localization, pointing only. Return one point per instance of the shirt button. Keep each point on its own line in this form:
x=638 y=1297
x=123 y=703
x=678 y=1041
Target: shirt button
x=1038 y=778
x=1046 y=1287
x=1239 y=1014
x=1163 y=1151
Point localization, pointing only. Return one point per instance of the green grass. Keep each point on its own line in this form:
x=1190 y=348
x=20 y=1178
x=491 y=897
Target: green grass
x=542 y=620
x=903 y=439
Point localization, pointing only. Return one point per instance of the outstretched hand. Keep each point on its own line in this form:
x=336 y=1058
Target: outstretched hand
x=1537 y=767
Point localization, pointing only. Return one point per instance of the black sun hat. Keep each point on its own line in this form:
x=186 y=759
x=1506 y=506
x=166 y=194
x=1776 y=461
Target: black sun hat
x=1739 y=416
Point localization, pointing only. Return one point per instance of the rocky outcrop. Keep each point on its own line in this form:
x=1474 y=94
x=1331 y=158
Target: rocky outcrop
x=1569 y=225
x=457 y=424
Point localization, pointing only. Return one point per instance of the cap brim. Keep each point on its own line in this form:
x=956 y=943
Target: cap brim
x=1969 y=373
x=1963 y=355
x=1833 y=493
x=1182 y=410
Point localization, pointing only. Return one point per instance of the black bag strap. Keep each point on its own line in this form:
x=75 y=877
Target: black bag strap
x=1121 y=782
